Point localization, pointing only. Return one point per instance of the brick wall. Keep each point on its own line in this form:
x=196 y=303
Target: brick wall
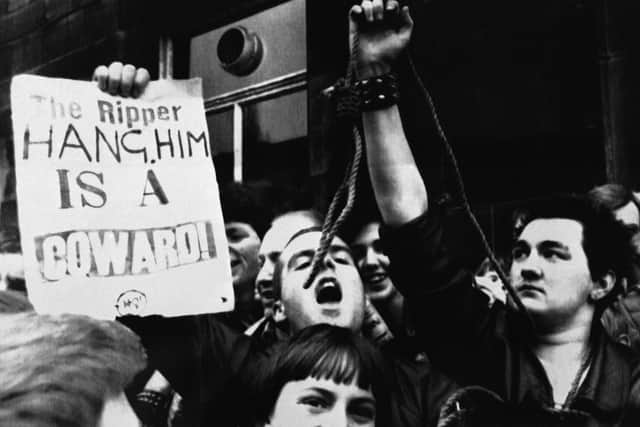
x=64 y=38
x=68 y=38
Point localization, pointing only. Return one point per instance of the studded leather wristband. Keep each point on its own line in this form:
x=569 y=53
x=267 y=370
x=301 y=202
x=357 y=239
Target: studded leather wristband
x=378 y=92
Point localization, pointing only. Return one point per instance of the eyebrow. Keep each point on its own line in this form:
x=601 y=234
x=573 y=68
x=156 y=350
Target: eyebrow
x=322 y=391
x=303 y=253
x=311 y=252
x=552 y=244
x=339 y=247
x=303 y=231
x=521 y=243
x=328 y=394
x=545 y=244
x=364 y=399
x=235 y=227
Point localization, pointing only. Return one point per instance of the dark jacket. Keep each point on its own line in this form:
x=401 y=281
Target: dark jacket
x=215 y=368
x=622 y=320
x=478 y=345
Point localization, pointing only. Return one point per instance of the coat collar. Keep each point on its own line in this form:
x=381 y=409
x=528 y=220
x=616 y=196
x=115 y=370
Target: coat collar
x=605 y=390
x=608 y=383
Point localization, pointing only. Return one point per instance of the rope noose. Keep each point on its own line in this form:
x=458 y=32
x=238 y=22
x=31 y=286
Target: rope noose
x=347 y=107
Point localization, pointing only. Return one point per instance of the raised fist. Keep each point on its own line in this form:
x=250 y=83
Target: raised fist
x=379 y=32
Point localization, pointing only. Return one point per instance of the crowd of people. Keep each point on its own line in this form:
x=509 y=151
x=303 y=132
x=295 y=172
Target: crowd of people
x=393 y=330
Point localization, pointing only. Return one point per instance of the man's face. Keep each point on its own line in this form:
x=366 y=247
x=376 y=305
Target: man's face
x=268 y=254
x=335 y=296
x=372 y=263
x=550 y=271
x=243 y=252
x=274 y=241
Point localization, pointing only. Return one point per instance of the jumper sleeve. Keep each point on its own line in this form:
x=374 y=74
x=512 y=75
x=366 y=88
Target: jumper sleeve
x=200 y=357
x=453 y=319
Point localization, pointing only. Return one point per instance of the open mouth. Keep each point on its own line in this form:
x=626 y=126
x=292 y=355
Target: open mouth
x=266 y=289
x=328 y=291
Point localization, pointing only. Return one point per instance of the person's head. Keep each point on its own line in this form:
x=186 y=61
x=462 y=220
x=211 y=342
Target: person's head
x=245 y=220
x=626 y=208
x=282 y=228
x=243 y=255
x=325 y=376
x=372 y=263
x=335 y=295
x=566 y=259
x=620 y=200
x=66 y=370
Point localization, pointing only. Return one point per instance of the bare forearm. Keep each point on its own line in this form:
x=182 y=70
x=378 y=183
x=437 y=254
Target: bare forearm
x=378 y=33
x=396 y=180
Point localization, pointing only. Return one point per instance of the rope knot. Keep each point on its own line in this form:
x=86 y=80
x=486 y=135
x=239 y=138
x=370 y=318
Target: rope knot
x=347 y=100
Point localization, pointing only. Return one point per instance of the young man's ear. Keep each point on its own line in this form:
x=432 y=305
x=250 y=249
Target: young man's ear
x=603 y=286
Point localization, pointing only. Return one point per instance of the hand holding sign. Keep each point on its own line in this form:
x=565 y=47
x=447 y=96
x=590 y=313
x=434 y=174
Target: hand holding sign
x=124 y=80
x=118 y=201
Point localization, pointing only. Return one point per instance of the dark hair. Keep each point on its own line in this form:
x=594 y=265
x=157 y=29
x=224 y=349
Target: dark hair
x=315 y=224
x=606 y=241
x=277 y=270
x=60 y=370
x=325 y=352
x=246 y=203
x=613 y=196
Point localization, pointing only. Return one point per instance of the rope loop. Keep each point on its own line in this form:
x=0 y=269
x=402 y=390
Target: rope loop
x=346 y=99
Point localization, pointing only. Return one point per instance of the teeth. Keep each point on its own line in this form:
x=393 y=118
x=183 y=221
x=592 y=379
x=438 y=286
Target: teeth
x=375 y=278
x=328 y=291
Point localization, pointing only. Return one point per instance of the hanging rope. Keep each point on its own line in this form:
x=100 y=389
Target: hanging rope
x=347 y=108
x=463 y=194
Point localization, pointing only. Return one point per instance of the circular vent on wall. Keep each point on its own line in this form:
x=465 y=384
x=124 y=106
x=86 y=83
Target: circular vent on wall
x=239 y=51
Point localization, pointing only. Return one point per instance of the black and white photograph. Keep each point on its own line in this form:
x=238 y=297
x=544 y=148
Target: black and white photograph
x=307 y=213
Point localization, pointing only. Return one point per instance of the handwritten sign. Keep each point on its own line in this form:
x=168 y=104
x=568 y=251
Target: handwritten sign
x=117 y=200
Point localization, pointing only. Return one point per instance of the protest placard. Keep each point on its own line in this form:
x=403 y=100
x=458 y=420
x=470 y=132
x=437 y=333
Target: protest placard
x=118 y=202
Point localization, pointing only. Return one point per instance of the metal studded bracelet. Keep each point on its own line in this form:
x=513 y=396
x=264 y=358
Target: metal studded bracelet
x=152 y=407
x=378 y=92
